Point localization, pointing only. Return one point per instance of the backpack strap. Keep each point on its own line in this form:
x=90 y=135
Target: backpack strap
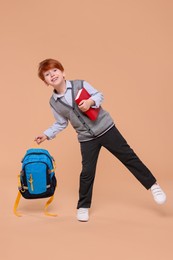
x=54 y=166
x=16 y=204
x=17 y=198
x=46 y=206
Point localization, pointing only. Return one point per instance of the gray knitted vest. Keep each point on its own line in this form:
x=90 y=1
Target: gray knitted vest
x=85 y=128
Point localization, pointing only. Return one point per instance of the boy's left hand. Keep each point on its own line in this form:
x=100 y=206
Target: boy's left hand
x=85 y=104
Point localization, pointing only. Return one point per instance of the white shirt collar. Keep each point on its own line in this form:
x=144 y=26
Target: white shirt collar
x=68 y=86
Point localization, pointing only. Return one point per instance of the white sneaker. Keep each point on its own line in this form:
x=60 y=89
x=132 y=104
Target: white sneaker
x=83 y=214
x=158 y=194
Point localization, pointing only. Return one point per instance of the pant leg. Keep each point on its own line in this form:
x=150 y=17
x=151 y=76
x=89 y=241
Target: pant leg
x=89 y=151
x=117 y=145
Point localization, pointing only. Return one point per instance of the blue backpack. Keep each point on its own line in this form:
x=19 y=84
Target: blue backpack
x=37 y=177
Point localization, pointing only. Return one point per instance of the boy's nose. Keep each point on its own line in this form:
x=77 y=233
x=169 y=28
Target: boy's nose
x=52 y=73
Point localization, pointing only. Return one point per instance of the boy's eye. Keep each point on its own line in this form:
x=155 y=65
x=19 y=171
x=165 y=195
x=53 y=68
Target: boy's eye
x=46 y=75
x=55 y=70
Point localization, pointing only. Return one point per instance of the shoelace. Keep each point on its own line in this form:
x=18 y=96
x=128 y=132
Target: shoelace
x=157 y=191
x=158 y=194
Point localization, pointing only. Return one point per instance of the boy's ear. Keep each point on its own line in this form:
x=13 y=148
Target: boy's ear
x=63 y=74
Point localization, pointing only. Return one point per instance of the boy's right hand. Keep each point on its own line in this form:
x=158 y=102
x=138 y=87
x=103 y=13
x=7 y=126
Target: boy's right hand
x=41 y=138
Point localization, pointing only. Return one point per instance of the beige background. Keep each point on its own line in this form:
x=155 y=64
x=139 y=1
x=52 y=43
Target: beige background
x=124 y=49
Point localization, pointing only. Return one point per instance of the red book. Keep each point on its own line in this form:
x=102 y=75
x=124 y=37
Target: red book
x=82 y=94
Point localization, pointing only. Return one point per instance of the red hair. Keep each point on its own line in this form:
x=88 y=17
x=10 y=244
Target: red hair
x=47 y=65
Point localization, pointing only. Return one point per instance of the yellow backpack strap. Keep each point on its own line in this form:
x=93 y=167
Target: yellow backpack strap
x=17 y=198
x=54 y=166
x=16 y=205
x=46 y=206
x=52 y=197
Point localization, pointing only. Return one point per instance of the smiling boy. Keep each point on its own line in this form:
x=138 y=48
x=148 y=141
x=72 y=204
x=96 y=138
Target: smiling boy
x=92 y=135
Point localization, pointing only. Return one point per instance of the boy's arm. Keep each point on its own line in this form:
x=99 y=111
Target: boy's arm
x=50 y=133
x=96 y=96
x=60 y=124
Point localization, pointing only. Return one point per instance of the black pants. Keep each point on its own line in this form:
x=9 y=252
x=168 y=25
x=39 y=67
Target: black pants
x=117 y=145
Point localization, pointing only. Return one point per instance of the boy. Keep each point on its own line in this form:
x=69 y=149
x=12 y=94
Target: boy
x=92 y=135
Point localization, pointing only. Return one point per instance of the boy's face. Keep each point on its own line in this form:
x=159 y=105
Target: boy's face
x=54 y=77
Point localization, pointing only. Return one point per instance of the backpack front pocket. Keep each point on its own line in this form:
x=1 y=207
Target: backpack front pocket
x=36 y=177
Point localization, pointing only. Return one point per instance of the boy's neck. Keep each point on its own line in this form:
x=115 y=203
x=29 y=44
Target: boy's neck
x=60 y=89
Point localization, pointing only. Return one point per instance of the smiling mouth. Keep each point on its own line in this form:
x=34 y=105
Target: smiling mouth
x=54 y=79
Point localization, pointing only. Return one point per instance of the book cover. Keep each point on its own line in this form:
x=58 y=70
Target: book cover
x=82 y=94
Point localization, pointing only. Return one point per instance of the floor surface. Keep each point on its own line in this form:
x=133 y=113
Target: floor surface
x=124 y=224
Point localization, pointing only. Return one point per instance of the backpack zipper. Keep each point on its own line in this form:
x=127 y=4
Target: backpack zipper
x=31 y=182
